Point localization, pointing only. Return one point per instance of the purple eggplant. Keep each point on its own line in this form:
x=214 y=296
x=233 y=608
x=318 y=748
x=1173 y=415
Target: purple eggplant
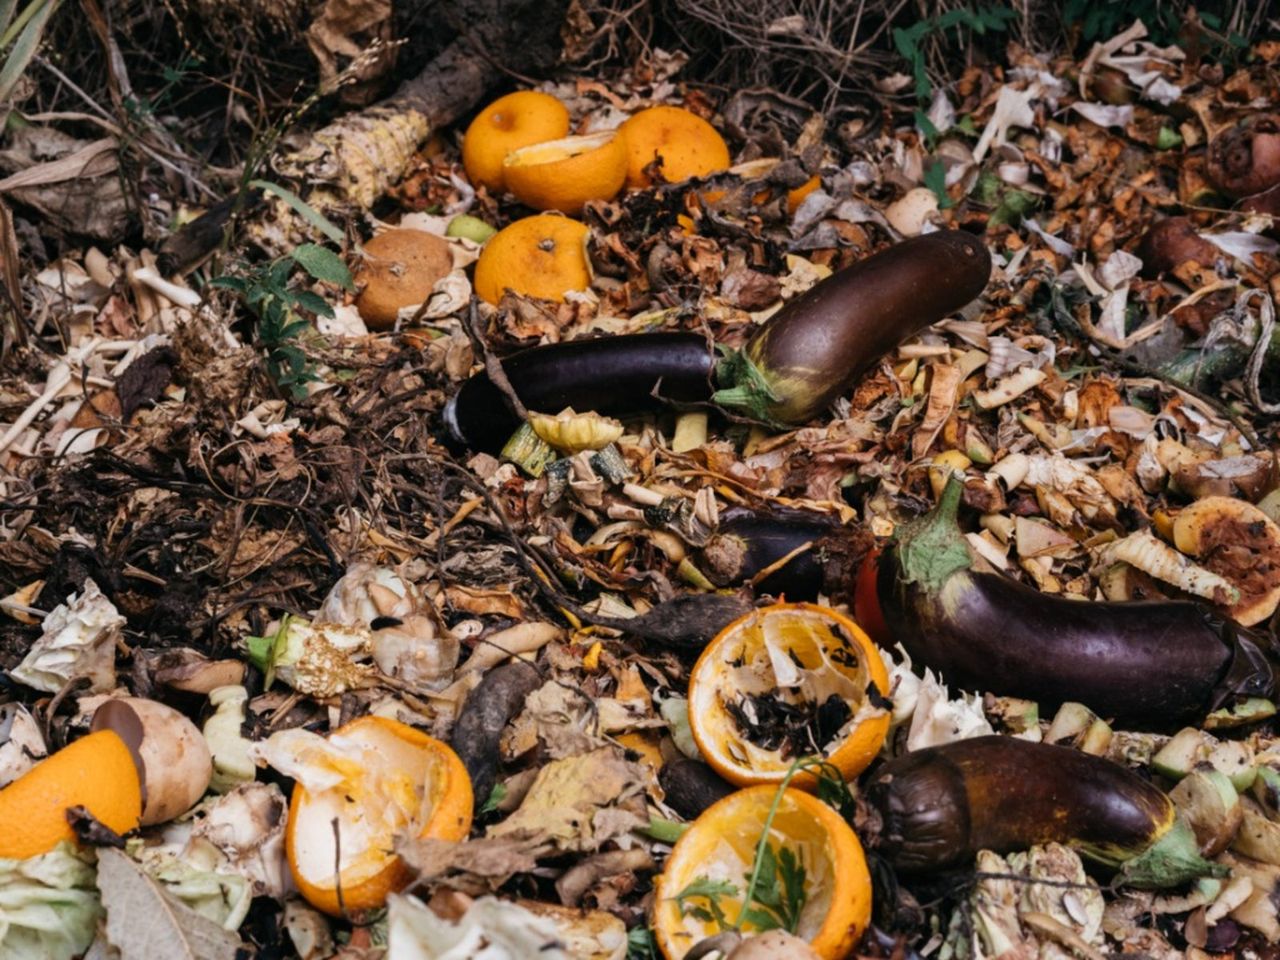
x=614 y=376
x=811 y=350
x=1152 y=664
x=939 y=806
x=795 y=365
x=747 y=542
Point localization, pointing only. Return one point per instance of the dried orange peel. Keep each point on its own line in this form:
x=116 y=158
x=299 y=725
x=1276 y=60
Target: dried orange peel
x=372 y=781
x=788 y=681
x=97 y=772
x=720 y=846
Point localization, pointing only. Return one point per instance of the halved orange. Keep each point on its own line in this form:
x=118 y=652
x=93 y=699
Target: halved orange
x=96 y=772
x=509 y=123
x=564 y=174
x=543 y=256
x=787 y=681
x=720 y=846
x=686 y=145
x=370 y=781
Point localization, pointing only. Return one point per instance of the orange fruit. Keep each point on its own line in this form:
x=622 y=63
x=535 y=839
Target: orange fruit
x=543 y=256
x=509 y=123
x=796 y=197
x=399 y=269
x=686 y=144
x=96 y=772
x=564 y=174
x=383 y=779
x=721 y=846
x=787 y=681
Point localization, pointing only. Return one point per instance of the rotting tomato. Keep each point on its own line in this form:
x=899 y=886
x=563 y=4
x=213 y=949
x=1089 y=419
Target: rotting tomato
x=866 y=599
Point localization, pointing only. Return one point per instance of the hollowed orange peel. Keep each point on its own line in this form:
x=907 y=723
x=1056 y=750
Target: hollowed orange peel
x=369 y=782
x=802 y=655
x=721 y=846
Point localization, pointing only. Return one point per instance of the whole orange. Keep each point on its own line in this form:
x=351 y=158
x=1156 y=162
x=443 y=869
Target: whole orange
x=509 y=123
x=797 y=657
x=405 y=783
x=686 y=145
x=96 y=772
x=543 y=256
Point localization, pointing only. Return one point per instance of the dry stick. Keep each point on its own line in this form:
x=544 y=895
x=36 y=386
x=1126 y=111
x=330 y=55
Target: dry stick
x=492 y=365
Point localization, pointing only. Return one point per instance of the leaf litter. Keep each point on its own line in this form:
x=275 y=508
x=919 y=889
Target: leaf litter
x=222 y=491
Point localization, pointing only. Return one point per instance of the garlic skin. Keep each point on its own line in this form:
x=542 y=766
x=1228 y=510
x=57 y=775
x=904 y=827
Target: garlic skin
x=21 y=743
x=367 y=592
x=79 y=639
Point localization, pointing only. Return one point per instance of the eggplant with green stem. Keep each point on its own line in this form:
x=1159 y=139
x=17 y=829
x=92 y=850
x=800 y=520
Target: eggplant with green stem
x=1151 y=664
x=941 y=805
x=787 y=373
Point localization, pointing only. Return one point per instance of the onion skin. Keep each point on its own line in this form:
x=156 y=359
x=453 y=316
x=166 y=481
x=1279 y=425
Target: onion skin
x=612 y=376
x=942 y=805
x=812 y=349
x=1154 y=664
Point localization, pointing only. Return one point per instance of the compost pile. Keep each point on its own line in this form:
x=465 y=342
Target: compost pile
x=664 y=522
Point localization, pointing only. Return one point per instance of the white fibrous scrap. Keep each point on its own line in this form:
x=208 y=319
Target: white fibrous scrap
x=21 y=744
x=1157 y=559
x=491 y=929
x=936 y=718
x=79 y=640
x=366 y=592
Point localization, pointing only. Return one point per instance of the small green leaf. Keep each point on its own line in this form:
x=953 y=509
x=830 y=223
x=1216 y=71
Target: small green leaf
x=935 y=178
x=302 y=208
x=312 y=302
x=496 y=796
x=1167 y=139
x=323 y=264
x=229 y=283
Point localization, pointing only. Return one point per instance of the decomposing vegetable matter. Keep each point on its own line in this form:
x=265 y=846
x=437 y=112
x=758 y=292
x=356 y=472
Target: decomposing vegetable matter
x=1145 y=662
x=942 y=805
x=788 y=372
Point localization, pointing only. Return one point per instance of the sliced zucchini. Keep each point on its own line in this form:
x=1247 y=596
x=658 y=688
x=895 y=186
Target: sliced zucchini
x=1096 y=739
x=1258 y=836
x=1184 y=750
x=1259 y=911
x=1245 y=712
x=1266 y=789
x=1070 y=724
x=1210 y=805
x=1235 y=759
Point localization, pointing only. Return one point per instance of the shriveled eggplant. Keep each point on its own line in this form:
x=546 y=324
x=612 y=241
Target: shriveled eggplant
x=485 y=713
x=809 y=352
x=941 y=805
x=748 y=542
x=1170 y=243
x=613 y=376
x=1147 y=663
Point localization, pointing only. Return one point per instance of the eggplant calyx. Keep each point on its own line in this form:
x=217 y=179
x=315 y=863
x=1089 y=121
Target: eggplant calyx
x=931 y=548
x=746 y=390
x=1172 y=860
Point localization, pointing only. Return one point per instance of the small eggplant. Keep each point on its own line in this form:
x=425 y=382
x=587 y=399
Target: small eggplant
x=1147 y=663
x=747 y=542
x=614 y=376
x=809 y=352
x=1245 y=160
x=941 y=805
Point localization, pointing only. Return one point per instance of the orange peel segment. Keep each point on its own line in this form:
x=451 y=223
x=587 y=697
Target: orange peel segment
x=378 y=779
x=721 y=846
x=788 y=681
x=96 y=772
x=564 y=174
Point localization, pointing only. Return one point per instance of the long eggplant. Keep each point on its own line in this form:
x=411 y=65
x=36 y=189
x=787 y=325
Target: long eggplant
x=787 y=373
x=614 y=376
x=941 y=805
x=1149 y=663
x=812 y=349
